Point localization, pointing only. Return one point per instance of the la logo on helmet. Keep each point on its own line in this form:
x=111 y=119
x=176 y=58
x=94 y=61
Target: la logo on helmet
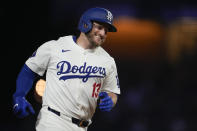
x=109 y=15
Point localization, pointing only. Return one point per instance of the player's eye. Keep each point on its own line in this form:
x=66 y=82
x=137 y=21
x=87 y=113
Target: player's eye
x=97 y=26
x=100 y=27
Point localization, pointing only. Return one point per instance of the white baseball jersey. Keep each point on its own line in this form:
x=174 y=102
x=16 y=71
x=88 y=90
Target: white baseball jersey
x=74 y=76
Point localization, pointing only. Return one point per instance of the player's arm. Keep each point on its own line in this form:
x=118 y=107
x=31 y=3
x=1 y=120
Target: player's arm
x=24 y=82
x=108 y=95
x=36 y=64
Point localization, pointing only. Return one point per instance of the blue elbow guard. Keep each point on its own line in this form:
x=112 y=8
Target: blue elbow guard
x=24 y=81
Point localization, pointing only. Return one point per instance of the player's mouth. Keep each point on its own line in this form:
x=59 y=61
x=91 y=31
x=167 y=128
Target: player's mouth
x=99 y=39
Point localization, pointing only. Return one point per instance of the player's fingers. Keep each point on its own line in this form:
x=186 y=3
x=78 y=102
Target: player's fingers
x=104 y=103
x=105 y=108
x=18 y=111
x=107 y=104
x=30 y=109
x=103 y=94
x=15 y=109
x=23 y=114
x=105 y=99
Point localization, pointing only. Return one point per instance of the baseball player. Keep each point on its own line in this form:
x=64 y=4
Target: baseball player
x=79 y=72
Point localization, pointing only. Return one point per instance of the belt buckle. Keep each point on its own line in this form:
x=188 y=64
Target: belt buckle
x=81 y=123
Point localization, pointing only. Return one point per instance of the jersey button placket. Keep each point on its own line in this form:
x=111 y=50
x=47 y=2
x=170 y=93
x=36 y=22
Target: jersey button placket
x=84 y=60
x=80 y=83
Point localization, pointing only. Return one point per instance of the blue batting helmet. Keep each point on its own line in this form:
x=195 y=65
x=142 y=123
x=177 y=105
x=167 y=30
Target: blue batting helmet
x=96 y=14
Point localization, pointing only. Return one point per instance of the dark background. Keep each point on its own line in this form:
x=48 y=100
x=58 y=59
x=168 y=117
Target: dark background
x=158 y=92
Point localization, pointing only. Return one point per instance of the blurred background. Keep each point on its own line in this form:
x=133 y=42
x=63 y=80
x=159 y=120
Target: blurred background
x=155 y=50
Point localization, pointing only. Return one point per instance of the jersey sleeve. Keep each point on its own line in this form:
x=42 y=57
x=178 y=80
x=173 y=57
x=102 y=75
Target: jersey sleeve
x=39 y=60
x=111 y=82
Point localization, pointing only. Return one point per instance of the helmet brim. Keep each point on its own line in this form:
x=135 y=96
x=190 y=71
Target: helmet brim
x=112 y=28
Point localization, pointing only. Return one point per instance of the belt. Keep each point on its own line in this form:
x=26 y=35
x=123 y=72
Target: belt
x=80 y=123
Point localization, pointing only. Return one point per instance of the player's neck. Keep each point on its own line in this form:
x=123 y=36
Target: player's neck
x=83 y=41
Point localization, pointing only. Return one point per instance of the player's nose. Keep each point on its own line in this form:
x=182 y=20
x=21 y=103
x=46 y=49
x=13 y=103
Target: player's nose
x=103 y=32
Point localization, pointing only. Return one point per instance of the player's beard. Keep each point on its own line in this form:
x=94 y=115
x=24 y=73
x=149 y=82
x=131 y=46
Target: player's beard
x=95 y=39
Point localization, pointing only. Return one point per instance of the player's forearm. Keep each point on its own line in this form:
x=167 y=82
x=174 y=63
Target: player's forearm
x=114 y=98
x=24 y=81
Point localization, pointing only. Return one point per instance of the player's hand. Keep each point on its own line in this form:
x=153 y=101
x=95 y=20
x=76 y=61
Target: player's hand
x=21 y=107
x=106 y=103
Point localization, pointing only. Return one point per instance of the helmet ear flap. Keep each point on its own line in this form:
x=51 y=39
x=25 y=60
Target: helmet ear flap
x=85 y=26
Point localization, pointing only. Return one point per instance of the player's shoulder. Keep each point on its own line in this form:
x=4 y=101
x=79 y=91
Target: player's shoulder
x=57 y=42
x=63 y=39
x=48 y=44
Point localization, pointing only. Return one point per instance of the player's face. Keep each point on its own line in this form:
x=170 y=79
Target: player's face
x=98 y=34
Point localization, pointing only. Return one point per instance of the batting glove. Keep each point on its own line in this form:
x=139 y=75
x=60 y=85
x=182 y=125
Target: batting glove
x=106 y=103
x=22 y=107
